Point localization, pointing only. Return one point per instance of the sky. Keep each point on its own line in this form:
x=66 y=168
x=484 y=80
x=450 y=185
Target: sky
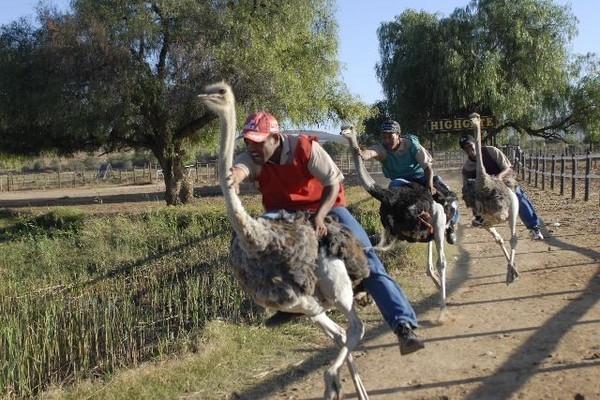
x=359 y=47
x=358 y=22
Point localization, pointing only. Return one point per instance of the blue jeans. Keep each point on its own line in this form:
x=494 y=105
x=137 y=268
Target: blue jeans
x=526 y=211
x=422 y=179
x=387 y=294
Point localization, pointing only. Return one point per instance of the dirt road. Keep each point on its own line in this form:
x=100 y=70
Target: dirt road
x=538 y=338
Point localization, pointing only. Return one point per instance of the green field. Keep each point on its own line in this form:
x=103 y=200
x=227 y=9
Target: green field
x=88 y=297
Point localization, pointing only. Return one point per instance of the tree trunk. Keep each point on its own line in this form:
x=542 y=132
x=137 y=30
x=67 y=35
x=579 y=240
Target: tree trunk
x=178 y=185
x=186 y=192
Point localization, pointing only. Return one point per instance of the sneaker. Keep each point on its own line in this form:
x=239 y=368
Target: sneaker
x=451 y=234
x=280 y=318
x=536 y=234
x=478 y=221
x=409 y=343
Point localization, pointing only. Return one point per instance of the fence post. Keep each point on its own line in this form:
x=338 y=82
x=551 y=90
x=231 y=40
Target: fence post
x=562 y=174
x=522 y=163
x=530 y=168
x=553 y=170
x=544 y=172
x=573 y=173
x=537 y=166
x=588 y=166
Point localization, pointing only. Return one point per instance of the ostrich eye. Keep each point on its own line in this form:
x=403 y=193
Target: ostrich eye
x=221 y=91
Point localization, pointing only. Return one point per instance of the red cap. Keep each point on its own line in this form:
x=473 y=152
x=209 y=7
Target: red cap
x=258 y=127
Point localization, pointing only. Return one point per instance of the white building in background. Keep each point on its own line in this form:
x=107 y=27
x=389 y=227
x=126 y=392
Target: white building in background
x=322 y=135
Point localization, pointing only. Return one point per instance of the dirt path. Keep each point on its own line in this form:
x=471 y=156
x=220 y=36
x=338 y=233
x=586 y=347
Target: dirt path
x=538 y=338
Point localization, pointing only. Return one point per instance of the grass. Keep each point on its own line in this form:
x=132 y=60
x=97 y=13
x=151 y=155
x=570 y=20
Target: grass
x=227 y=359
x=141 y=304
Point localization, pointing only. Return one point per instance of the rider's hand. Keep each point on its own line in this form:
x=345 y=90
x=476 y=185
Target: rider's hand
x=319 y=225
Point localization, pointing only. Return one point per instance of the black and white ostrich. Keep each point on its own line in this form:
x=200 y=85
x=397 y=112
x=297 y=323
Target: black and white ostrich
x=407 y=213
x=495 y=201
x=282 y=265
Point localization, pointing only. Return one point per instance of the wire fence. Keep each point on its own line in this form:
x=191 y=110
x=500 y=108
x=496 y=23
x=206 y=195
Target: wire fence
x=576 y=175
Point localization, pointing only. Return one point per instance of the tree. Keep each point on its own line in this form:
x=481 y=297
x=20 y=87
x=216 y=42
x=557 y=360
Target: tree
x=497 y=57
x=125 y=74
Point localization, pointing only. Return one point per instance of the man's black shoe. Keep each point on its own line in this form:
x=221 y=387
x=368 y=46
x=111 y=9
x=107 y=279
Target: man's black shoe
x=409 y=343
x=280 y=318
x=451 y=234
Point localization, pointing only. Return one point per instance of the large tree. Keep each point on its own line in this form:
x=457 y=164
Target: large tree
x=506 y=58
x=125 y=74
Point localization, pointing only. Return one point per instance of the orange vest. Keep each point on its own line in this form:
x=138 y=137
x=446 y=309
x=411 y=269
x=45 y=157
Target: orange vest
x=291 y=186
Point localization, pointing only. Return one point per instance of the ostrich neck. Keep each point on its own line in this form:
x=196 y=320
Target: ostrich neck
x=365 y=178
x=480 y=169
x=246 y=227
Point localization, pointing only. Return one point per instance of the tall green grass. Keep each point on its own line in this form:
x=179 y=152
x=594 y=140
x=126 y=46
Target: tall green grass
x=81 y=295
x=84 y=295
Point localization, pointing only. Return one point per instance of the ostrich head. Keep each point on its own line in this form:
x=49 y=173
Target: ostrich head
x=348 y=131
x=219 y=98
x=475 y=120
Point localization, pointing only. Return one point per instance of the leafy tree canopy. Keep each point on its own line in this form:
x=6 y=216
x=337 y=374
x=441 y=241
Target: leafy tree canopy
x=505 y=58
x=123 y=74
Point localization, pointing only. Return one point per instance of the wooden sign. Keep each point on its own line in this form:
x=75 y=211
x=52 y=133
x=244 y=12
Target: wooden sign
x=458 y=124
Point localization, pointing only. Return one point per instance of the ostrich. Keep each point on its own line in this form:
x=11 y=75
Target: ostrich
x=494 y=201
x=282 y=265
x=407 y=213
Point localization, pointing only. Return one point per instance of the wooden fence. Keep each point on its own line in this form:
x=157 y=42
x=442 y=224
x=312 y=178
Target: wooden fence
x=576 y=173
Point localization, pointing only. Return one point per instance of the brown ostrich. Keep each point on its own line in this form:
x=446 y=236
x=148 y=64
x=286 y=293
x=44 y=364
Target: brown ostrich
x=494 y=201
x=282 y=265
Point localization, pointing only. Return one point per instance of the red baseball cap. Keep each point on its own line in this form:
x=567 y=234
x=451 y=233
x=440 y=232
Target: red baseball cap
x=258 y=127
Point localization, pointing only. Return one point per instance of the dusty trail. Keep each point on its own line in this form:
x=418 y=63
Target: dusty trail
x=538 y=338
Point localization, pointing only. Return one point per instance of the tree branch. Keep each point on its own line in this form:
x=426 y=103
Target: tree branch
x=165 y=23
x=191 y=128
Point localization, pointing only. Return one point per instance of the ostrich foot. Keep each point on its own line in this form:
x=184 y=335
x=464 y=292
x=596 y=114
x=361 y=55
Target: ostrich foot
x=333 y=386
x=435 y=277
x=512 y=274
x=444 y=316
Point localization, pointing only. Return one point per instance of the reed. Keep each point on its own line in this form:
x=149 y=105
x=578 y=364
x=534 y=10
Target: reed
x=80 y=300
x=84 y=295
